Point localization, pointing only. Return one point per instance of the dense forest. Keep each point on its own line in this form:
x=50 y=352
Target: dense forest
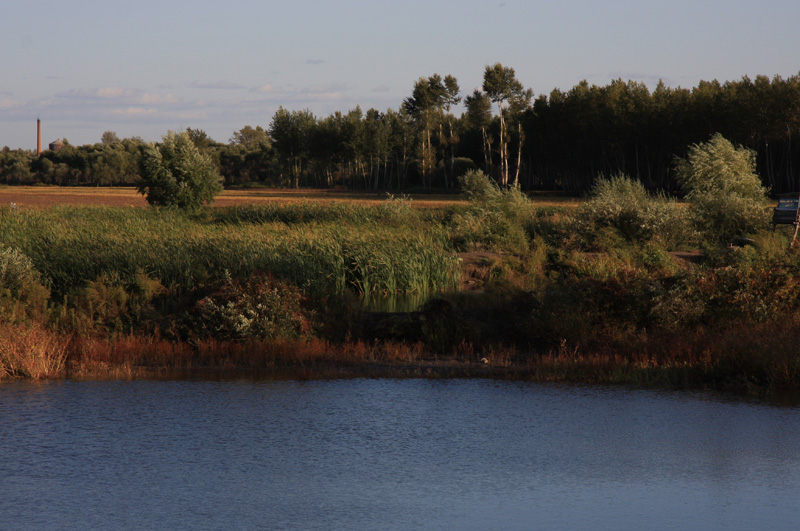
x=561 y=141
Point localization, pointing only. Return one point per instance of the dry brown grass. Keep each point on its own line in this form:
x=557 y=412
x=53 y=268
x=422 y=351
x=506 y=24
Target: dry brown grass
x=31 y=352
x=47 y=196
x=126 y=196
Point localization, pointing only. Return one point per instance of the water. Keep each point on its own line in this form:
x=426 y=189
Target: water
x=390 y=454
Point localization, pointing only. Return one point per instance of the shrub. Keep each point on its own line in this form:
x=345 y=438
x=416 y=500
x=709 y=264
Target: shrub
x=496 y=218
x=397 y=212
x=177 y=173
x=593 y=301
x=638 y=216
x=262 y=308
x=724 y=190
x=22 y=293
x=117 y=304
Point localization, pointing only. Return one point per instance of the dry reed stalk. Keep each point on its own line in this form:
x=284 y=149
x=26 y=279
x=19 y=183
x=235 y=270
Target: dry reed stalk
x=98 y=354
x=31 y=352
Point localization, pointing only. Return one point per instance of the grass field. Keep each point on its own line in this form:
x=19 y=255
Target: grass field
x=47 y=196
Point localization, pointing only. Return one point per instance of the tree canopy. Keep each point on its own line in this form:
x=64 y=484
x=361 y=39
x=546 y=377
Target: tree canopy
x=558 y=141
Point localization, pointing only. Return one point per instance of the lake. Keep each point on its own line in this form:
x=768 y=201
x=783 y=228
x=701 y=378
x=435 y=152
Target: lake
x=391 y=454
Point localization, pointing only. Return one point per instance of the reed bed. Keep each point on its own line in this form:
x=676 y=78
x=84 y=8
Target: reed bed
x=320 y=249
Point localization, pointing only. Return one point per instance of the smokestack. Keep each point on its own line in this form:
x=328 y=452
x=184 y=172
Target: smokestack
x=38 y=137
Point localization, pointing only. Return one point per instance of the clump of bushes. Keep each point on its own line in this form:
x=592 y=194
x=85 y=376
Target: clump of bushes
x=725 y=192
x=496 y=218
x=633 y=214
x=261 y=308
x=22 y=293
x=116 y=304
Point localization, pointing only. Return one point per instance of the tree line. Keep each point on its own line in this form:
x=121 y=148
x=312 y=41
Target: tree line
x=559 y=141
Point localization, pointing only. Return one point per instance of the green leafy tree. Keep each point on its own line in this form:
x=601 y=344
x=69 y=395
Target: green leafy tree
x=251 y=138
x=724 y=190
x=401 y=125
x=449 y=98
x=176 y=173
x=291 y=132
x=422 y=107
x=478 y=115
x=109 y=137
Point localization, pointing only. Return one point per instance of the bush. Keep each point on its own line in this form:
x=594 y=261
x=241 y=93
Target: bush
x=638 y=216
x=723 y=188
x=177 y=173
x=496 y=218
x=117 y=304
x=22 y=293
x=262 y=308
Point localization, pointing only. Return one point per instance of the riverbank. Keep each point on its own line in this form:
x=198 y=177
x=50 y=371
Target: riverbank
x=752 y=361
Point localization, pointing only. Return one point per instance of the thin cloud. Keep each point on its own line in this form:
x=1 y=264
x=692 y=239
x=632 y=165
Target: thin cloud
x=133 y=111
x=217 y=85
x=314 y=61
x=323 y=89
x=110 y=92
x=114 y=105
x=153 y=99
x=8 y=103
x=103 y=93
x=382 y=88
x=268 y=88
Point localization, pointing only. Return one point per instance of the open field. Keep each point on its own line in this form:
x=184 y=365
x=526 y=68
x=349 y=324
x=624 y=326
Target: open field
x=47 y=196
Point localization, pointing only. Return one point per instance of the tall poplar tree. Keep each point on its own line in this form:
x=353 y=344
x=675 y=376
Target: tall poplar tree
x=478 y=115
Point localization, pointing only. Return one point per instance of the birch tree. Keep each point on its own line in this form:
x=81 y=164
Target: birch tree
x=502 y=87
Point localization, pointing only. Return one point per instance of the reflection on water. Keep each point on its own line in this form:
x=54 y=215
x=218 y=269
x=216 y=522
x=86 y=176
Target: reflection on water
x=390 y=454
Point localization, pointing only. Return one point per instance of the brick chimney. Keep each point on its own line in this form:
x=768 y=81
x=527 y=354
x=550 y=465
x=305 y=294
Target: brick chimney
x=38 y=137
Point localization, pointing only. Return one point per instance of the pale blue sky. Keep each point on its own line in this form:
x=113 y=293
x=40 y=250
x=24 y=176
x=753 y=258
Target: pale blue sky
x=141 y=68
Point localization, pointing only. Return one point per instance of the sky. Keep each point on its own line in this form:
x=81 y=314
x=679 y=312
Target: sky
x=143 y=68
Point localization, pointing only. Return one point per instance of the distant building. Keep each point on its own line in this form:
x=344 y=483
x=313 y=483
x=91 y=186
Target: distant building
x=55 y=146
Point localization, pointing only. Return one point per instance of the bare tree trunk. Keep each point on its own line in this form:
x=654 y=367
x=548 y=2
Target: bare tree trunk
x=487 y=153
x=503 y=152
x=452 y=150
x=519 y=154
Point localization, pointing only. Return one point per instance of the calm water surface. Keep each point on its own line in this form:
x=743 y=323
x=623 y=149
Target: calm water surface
x=390 y=454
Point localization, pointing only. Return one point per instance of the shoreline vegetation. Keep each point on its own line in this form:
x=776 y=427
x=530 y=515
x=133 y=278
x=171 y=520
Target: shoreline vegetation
x=622 y=288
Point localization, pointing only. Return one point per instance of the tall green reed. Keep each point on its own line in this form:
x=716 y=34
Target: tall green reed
x=362 y=248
